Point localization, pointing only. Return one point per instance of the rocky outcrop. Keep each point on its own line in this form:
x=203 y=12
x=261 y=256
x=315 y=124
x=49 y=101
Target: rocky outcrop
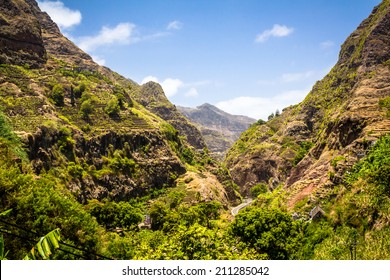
x=21 y=40
x=151 y=95
x=312 y=144
x=111 y=165
x=219 y=129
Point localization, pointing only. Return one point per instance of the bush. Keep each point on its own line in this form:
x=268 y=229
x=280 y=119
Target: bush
x=259 y=189
x=122 y=163
x=112 y=108
x=375 y=168
x=79 y=90
x=86 y=109
x=304 y=148
x=385 y=103
x=57 y=94
x=269 y=231
x=112 y=214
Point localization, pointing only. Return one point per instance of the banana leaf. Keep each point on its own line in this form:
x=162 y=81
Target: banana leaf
x=45 y=246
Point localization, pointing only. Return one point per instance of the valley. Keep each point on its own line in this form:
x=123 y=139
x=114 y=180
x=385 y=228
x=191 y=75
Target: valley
x=87 y=155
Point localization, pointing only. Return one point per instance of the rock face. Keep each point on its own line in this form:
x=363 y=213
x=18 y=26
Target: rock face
x=21 y=40
x=153 y=98
x=219 y=128
x=81 y=120
x=310 y=145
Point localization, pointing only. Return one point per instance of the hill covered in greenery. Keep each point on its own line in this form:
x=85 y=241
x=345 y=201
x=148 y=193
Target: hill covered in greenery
x=123 y=175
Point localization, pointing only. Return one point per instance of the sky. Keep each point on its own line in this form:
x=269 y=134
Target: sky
x=247 y=57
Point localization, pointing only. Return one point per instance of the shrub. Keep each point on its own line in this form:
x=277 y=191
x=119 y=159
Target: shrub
x=57 y=94
x=112 y=108
x=259 y=189
x=272 y=231
x=79 y=90
x=385 y=103
x=86 y=109
x=75 y=170
x=112 y=214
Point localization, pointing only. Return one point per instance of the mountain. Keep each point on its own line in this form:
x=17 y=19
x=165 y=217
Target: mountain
x=151 y=95
x=82 y=139
x=219 y=129
x=310 y=146
x=116 y=172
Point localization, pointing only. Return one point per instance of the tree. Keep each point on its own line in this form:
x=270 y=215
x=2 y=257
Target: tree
x=270 y=117
x=79 y=90
x=57 y=94
x=208 y=211
x=86 y=108
x=112 y=108
x=269 y=231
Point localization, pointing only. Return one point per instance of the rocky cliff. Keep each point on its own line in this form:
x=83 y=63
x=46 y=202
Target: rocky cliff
x=310 y=146
x=152 y=96
x=21 y=39
x=219 y=128
x=82 y=121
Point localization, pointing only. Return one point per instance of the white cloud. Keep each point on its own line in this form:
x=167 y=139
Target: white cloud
x=276 y=31
x=192 y=92
x=174 y=25
x=151 y=36
x=169 y=85
x=327 y=44
x=149 y=79
x=63 y=16
x=120 y=34
x=295 y=77
x=261 y=107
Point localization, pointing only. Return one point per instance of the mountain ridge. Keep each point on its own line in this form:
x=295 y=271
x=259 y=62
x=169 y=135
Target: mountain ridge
x=339 y=116
x=219 y=128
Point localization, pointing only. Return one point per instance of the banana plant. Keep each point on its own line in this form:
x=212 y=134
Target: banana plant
x=45 y=246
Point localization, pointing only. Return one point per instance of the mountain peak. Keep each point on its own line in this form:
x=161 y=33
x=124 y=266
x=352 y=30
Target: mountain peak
x=219 y=128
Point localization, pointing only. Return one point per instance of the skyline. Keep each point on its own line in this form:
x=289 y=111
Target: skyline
x=246 y=57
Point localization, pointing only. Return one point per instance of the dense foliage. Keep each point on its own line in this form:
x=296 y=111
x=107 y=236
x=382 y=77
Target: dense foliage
x=357 y=227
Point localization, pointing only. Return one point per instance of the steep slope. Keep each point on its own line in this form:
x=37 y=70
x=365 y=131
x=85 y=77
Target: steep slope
x=309 y=147
x=219 y=128
x=151 y=95
x=83 y=120
x=20 y=34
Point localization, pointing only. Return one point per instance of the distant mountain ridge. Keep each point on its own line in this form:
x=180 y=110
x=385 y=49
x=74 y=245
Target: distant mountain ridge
x=220 y=129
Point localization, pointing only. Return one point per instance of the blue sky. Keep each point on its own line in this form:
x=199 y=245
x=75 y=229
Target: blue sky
x=247 y=57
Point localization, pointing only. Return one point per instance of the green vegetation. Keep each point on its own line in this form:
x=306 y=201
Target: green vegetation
x=356 y=227
x=304 y=148
x=86 y=109
x=385 y=103
x=259 y=189
x=113 y=107
x=57 y=94
x=112 y=214
x=97 y=165
x=271 y=232
x=45 y=246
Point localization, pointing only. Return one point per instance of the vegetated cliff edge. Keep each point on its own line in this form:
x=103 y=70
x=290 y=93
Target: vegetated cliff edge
x=83 y=121
x=151 y=95
x=308 y=148
x=219 y=129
